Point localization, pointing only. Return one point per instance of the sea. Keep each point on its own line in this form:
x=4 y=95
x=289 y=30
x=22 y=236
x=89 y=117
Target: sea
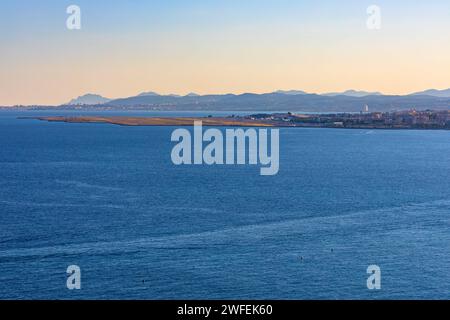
x=109 y=200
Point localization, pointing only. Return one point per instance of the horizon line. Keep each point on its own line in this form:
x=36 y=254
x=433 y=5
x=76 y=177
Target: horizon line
x=183 y=95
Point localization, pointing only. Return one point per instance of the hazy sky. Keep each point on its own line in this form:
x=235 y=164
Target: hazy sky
x=125 y=47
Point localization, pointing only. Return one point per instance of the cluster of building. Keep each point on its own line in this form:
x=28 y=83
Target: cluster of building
x=402 y=119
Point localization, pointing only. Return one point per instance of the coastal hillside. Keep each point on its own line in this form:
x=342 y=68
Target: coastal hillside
x=277 y=102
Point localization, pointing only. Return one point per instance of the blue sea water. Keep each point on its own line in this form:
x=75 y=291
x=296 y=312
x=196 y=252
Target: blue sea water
x=108 y=199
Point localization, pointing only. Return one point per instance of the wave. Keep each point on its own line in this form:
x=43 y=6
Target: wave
x=79 y=184
x=397 y=217
x=171 y=208
x=56 y=204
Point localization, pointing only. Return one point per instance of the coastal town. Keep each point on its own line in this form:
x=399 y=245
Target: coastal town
x=411 y=119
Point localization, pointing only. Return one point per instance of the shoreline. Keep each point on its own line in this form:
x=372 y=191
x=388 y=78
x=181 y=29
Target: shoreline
x=262 y=120
x=159 y=121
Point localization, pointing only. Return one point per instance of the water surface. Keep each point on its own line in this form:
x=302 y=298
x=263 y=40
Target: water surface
x=108 y=198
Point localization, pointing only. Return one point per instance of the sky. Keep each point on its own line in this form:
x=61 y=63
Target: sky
x=126 y=47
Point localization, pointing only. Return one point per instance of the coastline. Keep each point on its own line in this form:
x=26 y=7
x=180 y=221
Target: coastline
x=374 y=121
x=160 y=121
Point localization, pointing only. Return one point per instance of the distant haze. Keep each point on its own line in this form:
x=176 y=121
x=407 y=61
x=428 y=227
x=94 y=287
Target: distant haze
x=89 y=99
x=435 y=93
x=280 y=100
x=153 y=98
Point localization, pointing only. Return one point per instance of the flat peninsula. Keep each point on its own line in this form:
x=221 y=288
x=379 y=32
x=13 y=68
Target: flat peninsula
x=163 y=121
x=437 y=120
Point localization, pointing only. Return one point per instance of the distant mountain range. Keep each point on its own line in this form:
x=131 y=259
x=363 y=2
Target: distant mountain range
x=153 y=97
x=89 y=99
x=290 y=100
x=291 y=92
x=434 y=93
x=353 y=93
x=148 y=94
x=142 y=98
